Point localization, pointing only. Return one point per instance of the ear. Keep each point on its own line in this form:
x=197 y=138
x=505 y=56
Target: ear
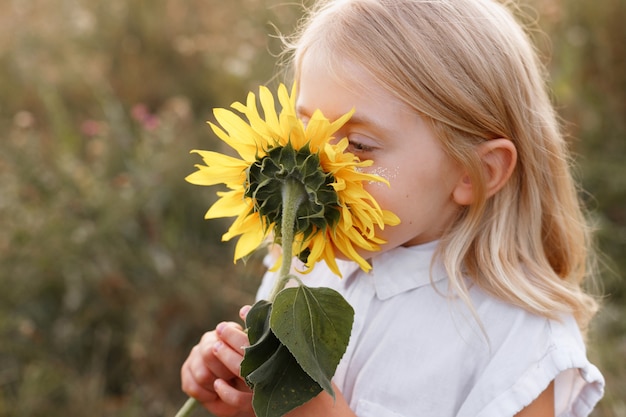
x=498 y=157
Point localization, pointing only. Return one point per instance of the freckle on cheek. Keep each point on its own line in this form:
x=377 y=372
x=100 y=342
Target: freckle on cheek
x=388 y=174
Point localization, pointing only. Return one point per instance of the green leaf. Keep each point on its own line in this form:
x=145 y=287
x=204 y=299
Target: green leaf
x=263 y=343
x=278 y=382
x=256 y=320
x=280 y=385
x=315 y=325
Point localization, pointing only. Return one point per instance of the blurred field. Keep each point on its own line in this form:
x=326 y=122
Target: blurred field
x=108 y=272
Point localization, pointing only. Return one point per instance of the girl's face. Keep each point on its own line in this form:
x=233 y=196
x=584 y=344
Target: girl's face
x=401 y=144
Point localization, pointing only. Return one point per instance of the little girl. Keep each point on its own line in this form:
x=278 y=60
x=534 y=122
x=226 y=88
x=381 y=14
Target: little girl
x=474 y=307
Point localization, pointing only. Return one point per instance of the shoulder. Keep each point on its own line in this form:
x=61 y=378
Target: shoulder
x=442 y=356
x=527 y=353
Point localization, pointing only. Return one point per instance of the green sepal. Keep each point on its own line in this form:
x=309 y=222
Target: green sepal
x=319 y=207
x=269 y=368
x=315 y=324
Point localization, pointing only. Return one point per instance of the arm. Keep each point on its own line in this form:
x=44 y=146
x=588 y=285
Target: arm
x=542 y=406
x=324 y=405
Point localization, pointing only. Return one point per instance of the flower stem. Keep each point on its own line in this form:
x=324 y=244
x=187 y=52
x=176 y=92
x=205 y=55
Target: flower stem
x=187 y=408
x=293 y=195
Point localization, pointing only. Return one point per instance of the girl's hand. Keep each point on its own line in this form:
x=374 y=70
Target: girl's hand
x=211 y=372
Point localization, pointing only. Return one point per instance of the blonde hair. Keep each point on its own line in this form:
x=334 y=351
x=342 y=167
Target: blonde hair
x=470 y=69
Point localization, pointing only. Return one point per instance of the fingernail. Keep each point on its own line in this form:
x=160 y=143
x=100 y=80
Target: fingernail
x=220 y=328
x=217 y=346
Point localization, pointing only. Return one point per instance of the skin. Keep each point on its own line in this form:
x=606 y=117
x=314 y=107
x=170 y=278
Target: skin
x=211 y=372
x=427 y=189
x=382 y=129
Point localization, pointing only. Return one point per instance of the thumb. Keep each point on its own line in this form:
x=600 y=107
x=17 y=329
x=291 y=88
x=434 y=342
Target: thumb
x=243 y=312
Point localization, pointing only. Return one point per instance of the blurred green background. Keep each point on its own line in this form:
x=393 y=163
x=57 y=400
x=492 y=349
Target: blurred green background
x=108 y=272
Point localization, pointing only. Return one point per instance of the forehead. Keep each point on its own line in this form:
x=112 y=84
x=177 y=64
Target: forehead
x=336 y=85
x=375 y=109
x=333 y=64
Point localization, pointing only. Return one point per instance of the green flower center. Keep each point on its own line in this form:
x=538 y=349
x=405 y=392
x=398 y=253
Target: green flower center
x=318 y=203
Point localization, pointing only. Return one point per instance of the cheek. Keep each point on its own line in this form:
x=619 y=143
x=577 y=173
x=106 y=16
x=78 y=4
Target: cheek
x=386 y=173
x=393 y=196
x=383 y=191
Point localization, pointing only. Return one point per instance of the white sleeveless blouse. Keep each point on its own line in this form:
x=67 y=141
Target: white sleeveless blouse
x=414 y=352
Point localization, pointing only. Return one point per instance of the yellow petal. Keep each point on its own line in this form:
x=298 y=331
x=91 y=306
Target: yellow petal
x=219 y=169
x=338 y=124
x=241 y=137
x=329 y=258
x=249 y=242
x=345 y=246
x=269 y=109
x=266 y=133
x=230 y=204
x=292 y=130
x=316 y=244
x=390 y=218
x=317 y=131
x=287 y=101
x=322 y=248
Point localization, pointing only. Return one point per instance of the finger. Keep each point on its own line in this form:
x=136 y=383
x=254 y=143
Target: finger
x=237 y=395
x=204 y=364
x=237 y=404
x=234 y=336
x=227 y=324
x=229 y=357
x=243 y=312
x=191 y=387
x=202 y=367
x=205 y=368
x=197 y=368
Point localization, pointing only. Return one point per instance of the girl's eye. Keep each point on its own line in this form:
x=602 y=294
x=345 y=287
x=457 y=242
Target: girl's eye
x=359 y=147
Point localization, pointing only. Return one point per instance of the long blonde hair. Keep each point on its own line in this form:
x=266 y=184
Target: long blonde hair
x=471 y=70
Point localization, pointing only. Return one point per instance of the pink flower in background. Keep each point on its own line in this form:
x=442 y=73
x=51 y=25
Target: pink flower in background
x=148 y=120
x=92 y=128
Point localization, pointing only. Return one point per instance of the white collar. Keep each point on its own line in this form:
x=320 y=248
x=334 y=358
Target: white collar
x=403 y=269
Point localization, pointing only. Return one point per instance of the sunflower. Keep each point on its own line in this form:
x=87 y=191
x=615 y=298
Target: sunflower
x=333 y=212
